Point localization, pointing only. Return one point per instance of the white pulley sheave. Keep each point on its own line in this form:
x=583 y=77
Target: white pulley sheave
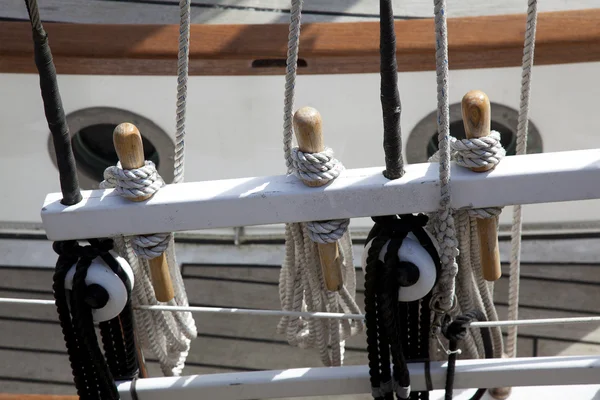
x=411 y=251
x=101 y=274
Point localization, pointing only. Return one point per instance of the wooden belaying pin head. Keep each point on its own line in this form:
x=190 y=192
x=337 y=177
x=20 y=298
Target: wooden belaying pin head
x=476 y=114
x=477 y=118
x=130 y=149
x=308 y=127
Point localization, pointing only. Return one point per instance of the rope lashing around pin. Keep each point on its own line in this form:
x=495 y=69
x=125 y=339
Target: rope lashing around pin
x=478 y=152
x=302 y=284
x=132 y=184
x=315 y=167
x=319 y=167
x=166 y=335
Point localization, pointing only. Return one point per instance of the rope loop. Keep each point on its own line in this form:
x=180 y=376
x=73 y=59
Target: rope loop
x=315 y=167
x=151 y=246
x=327 y=231
x=133 y=183
x=478 y=152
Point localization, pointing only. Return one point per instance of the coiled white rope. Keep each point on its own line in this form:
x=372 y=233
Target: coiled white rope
x=301 y=283
x=522 y=130
x=165 y=335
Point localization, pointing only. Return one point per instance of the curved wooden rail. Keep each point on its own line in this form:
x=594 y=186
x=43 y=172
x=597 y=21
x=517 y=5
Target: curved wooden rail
x=326 y=48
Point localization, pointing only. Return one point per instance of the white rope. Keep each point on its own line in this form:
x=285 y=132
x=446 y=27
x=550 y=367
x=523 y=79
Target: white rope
x=279 y=313
x=166 y=335
x=315 y=167
x=478 y=152
x=133 y=183
x=301 y=283
x=522 y=130
x=182 y=78
x=444 y=230
x=465 y=284
x=290 y=78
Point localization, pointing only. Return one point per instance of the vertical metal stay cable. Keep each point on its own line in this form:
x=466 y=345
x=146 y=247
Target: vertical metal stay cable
x=390 y=98
x=53 y=108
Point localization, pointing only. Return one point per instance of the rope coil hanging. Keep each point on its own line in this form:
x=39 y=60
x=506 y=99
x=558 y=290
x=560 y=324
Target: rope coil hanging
x=318 y=270
x=166 y=335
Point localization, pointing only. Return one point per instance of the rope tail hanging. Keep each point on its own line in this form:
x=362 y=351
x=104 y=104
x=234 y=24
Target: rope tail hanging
x=465 y=292
x=165 y=335
x=318 y=271
x=522 y=131
x=90 y=284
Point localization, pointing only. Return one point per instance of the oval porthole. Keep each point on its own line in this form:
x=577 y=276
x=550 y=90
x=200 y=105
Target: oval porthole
x=423 y=142
x=91 y=139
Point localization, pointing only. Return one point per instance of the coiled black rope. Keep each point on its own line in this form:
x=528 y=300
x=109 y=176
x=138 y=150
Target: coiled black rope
x=456 y=331
x=390 y=98
x=393 y=328
x=93 y=375
x=55 y=115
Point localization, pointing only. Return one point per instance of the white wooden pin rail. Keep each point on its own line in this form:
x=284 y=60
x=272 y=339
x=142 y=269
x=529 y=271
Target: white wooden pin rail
x=529 y=179
x=539 y=371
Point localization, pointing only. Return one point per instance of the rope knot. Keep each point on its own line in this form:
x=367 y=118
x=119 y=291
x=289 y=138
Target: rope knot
x=458 y=329
x=478 y=152
x=327 y=231
x=133 y=183
x=150 y=246
x=315 y=167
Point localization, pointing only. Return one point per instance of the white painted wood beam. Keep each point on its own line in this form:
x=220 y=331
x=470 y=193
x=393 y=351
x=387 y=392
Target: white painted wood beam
x=539 y=371
x=530 y=179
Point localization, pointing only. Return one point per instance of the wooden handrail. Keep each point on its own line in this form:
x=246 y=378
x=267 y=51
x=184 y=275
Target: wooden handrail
x=326 y=48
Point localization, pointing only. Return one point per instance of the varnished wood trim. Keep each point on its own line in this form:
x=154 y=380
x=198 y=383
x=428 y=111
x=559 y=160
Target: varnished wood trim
x=327 y=48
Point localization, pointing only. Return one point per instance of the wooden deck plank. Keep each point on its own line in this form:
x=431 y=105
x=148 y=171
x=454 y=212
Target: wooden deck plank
x=568 y=296
x=552 y=348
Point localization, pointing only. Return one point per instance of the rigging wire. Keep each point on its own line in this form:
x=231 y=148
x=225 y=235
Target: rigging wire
x=390 y=97
x=53 y=108
x=320 y=315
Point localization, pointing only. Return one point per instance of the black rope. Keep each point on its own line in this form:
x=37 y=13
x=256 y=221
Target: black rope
x=390 y=98
x=53 y=108
x=93 y=374
x=394 y=328
x=456 y=331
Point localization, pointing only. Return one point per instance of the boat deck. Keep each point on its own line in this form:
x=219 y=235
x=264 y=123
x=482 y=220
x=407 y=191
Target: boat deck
x=560 y=278
x=34 y=356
